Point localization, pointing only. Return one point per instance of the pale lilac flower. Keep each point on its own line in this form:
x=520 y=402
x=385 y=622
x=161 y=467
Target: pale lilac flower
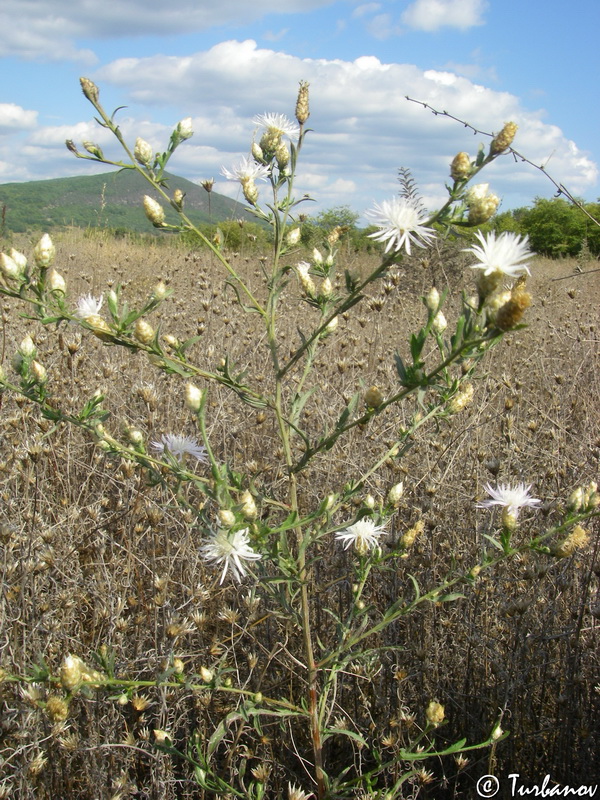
x=231 y=550
x=88 y=306
x=277 y=123
x=401 y=223
x=179 y=446
x=511 y=498
x=364 y=535
x=504 y=254
x=246 y=170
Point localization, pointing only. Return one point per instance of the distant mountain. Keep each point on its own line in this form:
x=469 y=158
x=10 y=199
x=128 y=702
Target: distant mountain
x=112 y=200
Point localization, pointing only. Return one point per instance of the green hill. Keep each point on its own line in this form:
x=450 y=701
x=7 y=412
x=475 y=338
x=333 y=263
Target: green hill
x=111 y=199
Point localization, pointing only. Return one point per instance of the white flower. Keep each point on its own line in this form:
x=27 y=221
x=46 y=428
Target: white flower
x=364 y=535
x=179 y=446
x=511 y=498
x=231 y=550
x=246 y=170
x=278 y=124
x=296 y=793
x=88 y=306
x=400 y=222
x=503 y=254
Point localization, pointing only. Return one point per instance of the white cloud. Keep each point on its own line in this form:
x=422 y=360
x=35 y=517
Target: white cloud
x=364 y=128
x=48 y=29
x=364 y=9
x=13 y=117
x=430 y=15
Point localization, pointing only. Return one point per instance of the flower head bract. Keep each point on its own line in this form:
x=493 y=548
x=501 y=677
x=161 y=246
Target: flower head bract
x=364 y=535
x=179 y=446
x=231 y=550
x=504 y=254
x=400 y=222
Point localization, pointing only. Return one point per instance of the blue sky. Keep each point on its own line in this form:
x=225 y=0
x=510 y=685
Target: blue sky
x=485 y=61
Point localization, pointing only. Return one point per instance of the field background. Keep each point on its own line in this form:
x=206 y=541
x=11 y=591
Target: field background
x=91 y=557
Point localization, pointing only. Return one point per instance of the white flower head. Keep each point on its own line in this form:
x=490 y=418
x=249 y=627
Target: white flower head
x=296 y=793
x=179 y=446
x=277 y=124
x=401 y=223
x=88 y=306
x=511 y=498
x=231 y=550
x=364 y=535
x=504 y=254
x=246 y=170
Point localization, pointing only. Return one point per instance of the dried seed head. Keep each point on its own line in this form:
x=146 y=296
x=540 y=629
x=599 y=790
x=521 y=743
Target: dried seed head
x=57 y=708
x=408 y=539
x=373 y=397
x=249 y=509
x=511 y=313
x=576 y=540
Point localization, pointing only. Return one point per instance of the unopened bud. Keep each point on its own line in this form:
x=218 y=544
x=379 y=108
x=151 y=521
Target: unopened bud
x=226 y=517
x=373 y=397
x=461 y=168
x=160 y=291
x=249 y=509
x=206 y=674
x=435 y=713
x=56 y=282
x=9 y=267
x=302 y=108
x=44 y=252
x=504 y=139
x=143 y=331
x=250 y=191
x=282 y=154
x=93 y=149
x=184 y=128
x=332 y=325
x=178 y=196
x=306 y=281
x=38 y=372
x=439 y=323
x=432 y=300
x=257 y=153
x=292 y=237
x=27 y=347
x=143 y=152
x=71 y=672
x=154 y=211
x=326 y=288
x=395 y=494
x=193 y=397
x=89 y=89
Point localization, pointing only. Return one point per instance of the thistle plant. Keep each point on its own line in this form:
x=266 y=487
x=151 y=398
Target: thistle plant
x=269 y=541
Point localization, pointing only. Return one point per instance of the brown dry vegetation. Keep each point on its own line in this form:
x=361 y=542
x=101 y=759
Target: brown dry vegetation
x=93 y=558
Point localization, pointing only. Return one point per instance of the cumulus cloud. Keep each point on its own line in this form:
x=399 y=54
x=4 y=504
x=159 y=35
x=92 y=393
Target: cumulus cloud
x=430 y=15
x=14 y=118
x=48 y=29
x=364 y=128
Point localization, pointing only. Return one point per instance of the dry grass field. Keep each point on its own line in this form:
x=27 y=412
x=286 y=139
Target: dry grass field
x=94 y=560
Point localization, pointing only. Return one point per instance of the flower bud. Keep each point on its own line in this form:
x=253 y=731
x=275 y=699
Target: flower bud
x=373 y=397
x=257 y=153
x=206 y=674
x=56 y=282
x=302 y=108
x=99 y=327
x=38 y=372
x=143 y=331
x=292 y=237
x=184 y=128
x=439 y=323
x=435 y=713
x=193 y=397
x=44 y=252
x=135 y=437
x=504 y=139
x=326 y=288
x=249 y=509
x=9 y=267
x=282 y=154
x=250 y=191
x=154 y=211
x=19 y=259
x=331 y=325
x=27 y=347
x=575 y=501
x=432 y=301
x=93 y=149
x=71 y=672
x=395 y=494
x=369 y=501
x=461 y=168
x=143 y=152
x=226 y=517
x=306 y=281
x=89 y=89
x=178 y=196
